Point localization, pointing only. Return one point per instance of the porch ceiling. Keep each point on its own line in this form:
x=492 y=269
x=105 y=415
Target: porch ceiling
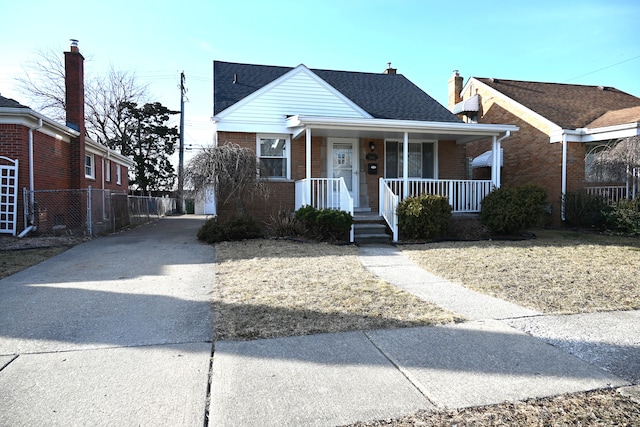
x=462 y=133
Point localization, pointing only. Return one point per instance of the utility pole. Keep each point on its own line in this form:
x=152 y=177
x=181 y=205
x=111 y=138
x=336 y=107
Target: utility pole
x=181 y=154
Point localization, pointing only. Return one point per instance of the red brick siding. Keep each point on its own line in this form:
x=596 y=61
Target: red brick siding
x=529 y=157
x=451 y=160
x=281 y=193
x=373 y=181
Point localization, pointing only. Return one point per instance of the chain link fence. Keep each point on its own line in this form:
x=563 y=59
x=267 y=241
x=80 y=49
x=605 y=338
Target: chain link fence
x=90 y=212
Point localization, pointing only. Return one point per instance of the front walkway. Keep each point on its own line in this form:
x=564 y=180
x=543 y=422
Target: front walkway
x=342 y=378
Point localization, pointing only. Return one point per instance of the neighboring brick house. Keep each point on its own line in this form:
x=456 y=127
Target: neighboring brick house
x=52 y=156
x=346 y=140
x=560 y=125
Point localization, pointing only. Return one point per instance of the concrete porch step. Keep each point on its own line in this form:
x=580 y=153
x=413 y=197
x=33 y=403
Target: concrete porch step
x=369 y=228
x=370 y=239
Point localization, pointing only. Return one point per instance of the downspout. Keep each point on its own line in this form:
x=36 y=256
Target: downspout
x=564 y=176
x=496 y=158
x=31 y=227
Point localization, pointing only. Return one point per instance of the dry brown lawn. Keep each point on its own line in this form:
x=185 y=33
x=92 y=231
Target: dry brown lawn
x=597 y=408
x=558 y=272
x=276 y=288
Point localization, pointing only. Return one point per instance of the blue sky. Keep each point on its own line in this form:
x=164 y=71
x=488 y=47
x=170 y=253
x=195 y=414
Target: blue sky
x=581 y=42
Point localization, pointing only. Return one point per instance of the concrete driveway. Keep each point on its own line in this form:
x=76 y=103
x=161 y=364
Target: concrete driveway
x=115 y=331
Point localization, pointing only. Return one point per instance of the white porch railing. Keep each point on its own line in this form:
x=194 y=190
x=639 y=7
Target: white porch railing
x=389 y=207
x=325 y=193
x=465 y=196
x=611 y=193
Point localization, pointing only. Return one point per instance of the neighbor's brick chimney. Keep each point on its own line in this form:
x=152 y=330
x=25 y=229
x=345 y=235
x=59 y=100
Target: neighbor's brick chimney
x=74 y=104
x=455 y=87
x=390 y=70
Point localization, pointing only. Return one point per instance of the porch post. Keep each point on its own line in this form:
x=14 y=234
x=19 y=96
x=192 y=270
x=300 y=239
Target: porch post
x=308 y=163
x=495 y=166
x=405 y=166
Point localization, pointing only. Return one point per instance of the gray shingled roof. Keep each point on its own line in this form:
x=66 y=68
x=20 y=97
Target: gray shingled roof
x=10 y=103
x=384 y=96
x=569 y=106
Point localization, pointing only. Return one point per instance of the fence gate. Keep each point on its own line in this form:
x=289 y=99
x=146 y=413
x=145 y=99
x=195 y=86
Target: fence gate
x=8 y=195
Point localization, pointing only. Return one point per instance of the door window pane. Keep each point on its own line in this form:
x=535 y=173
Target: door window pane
x=343 y=163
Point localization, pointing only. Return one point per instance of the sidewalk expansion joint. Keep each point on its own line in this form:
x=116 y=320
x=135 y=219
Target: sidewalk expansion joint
x=9 y=362
x=395 y=365
x=207 y=402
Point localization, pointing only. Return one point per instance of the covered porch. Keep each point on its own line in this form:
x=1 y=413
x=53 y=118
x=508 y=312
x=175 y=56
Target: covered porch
x=374 y=164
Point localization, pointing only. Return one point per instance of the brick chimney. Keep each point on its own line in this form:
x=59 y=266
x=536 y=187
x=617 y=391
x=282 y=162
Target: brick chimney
x=74 y=104
x=455 y=87
x=390 y=70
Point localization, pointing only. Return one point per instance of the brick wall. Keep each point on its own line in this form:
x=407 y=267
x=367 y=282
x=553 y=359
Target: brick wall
x=451 y=160
x=373 y=181
x=529 y=157
x=281 y=193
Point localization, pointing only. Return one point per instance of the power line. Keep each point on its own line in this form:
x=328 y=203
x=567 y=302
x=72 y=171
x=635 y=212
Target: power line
x=601 y=69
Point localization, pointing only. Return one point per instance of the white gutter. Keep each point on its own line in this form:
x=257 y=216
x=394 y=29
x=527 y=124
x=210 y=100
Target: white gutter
x=399 y=125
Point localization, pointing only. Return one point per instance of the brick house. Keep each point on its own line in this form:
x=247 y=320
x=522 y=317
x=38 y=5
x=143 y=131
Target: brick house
x=353 y=141
x=37 y=153
x=561 y=125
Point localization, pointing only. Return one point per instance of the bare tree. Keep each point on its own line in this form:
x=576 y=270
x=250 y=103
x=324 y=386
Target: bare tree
x=104 y=97
x=43 y=84
x=232 y=171
x=618 y=161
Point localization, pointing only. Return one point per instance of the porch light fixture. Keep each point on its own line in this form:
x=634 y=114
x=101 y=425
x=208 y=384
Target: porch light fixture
x=372 y=145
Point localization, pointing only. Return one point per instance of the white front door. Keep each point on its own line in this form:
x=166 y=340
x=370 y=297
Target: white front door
x=343 y=163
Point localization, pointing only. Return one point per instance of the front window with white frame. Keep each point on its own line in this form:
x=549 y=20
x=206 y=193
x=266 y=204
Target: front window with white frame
x=118 y=175
x=274 y=154
x=89 y=166
x=422 y=159
x=107 y=170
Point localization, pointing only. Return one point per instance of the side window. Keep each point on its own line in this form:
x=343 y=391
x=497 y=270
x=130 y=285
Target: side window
x=107 y=170
x=118 y=175
x=89 y=166
x=274 y=153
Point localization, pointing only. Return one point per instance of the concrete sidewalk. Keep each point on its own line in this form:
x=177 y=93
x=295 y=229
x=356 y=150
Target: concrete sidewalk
x=115 y=331
x=336 y=379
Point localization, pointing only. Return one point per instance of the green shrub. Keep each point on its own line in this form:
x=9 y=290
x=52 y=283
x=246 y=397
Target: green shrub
x=512 y=210
x=324 y=224
x=235 y=228
x=424 y=217
x=582 y=209
x=624 y=216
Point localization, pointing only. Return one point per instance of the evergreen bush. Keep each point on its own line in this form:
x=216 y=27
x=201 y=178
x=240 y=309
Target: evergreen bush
x=235 y=228
x=624 y=217
x=424 y=217
x=512 y=210
x=324 y=224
